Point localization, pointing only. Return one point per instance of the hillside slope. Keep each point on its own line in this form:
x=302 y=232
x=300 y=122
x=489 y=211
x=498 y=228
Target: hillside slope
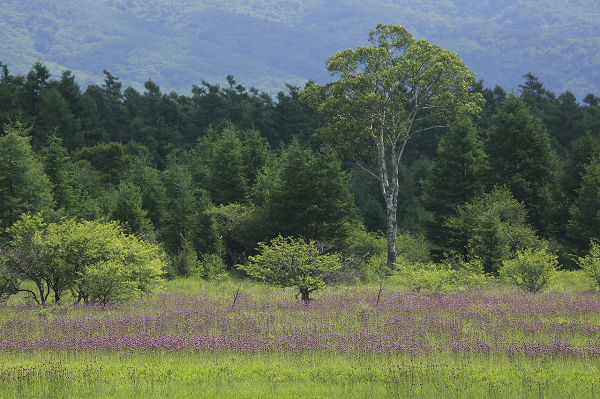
x=267 y=43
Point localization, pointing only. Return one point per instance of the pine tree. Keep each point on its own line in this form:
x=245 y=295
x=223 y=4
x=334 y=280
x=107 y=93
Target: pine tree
x=309 y=197
x=59 y=168
x=456 y=178
x=54 y=117
x=128 y=210
x=184 y=219
x=24 y=187
x=520 y=158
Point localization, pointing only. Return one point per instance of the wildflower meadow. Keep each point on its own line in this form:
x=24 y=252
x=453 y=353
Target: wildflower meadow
x=251 y=340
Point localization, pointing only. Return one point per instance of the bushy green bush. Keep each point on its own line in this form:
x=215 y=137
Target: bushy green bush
x=186 y=262
x=530 y=269
x=590 y=264
x=467 y=274
x=363 y=252
x=95 y=261
x=422 y=276
x=449 y=275
x=107 y=282
x=413 y=247
x=213 y=267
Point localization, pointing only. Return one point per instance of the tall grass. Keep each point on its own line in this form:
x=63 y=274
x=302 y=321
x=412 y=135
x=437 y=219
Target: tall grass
x=231 y=338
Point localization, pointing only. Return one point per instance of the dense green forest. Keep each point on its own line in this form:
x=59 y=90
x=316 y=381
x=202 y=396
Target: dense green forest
x=268 y=43
x=208 y=176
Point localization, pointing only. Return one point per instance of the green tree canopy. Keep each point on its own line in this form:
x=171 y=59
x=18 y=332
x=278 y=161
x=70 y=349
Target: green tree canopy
x=382 y=93
x=97 y=261
x=584 y=222
x=307 y=195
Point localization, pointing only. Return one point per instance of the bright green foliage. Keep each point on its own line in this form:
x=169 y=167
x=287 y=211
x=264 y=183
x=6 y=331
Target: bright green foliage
x=520 y=158
x=382 y=90
x=584 y=222
x=494 y=225
x=27 y=255
x=422 y=276
x=24 y=187
x=99 y=248
x=456 y=178
x=96 y=261
x=448 y=275
x=292 y=262
x=531 y=269
x=107 y=282
x=590 y=264
x=413 y=247
x=212 y=266
x=364 y=253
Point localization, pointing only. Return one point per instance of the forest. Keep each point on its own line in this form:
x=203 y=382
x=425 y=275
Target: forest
x=208 y=177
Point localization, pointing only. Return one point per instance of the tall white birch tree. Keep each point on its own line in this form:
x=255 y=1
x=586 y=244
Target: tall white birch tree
x=382 y=93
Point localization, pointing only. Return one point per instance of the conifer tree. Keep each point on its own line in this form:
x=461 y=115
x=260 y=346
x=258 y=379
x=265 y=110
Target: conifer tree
x=456 y=178
x=128 y=210
x=520 y=158
x=24 y=187
x=308 y=196
x=59 y=168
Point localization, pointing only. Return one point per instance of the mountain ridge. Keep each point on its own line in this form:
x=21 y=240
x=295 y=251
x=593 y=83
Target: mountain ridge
x=266 y=44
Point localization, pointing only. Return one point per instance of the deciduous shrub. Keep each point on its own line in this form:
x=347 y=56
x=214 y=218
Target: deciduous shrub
x=95 y=261
x=590 y=264
x=530 y=269
x=422 y=276
x=449 y=275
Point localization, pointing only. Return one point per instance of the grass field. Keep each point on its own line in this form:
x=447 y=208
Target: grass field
x=201 y=339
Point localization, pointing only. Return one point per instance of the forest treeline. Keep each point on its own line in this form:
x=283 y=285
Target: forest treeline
x=208 y=176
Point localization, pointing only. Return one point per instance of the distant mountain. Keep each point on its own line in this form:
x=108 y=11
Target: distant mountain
x=268 y=43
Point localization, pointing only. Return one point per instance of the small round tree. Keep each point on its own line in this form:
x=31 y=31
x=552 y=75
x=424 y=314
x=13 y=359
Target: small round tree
x=292 y=262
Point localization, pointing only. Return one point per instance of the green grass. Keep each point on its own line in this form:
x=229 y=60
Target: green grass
x=227 y=375
x=327 y=374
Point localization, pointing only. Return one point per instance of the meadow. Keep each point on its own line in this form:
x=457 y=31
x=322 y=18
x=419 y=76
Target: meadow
x=230 y=339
